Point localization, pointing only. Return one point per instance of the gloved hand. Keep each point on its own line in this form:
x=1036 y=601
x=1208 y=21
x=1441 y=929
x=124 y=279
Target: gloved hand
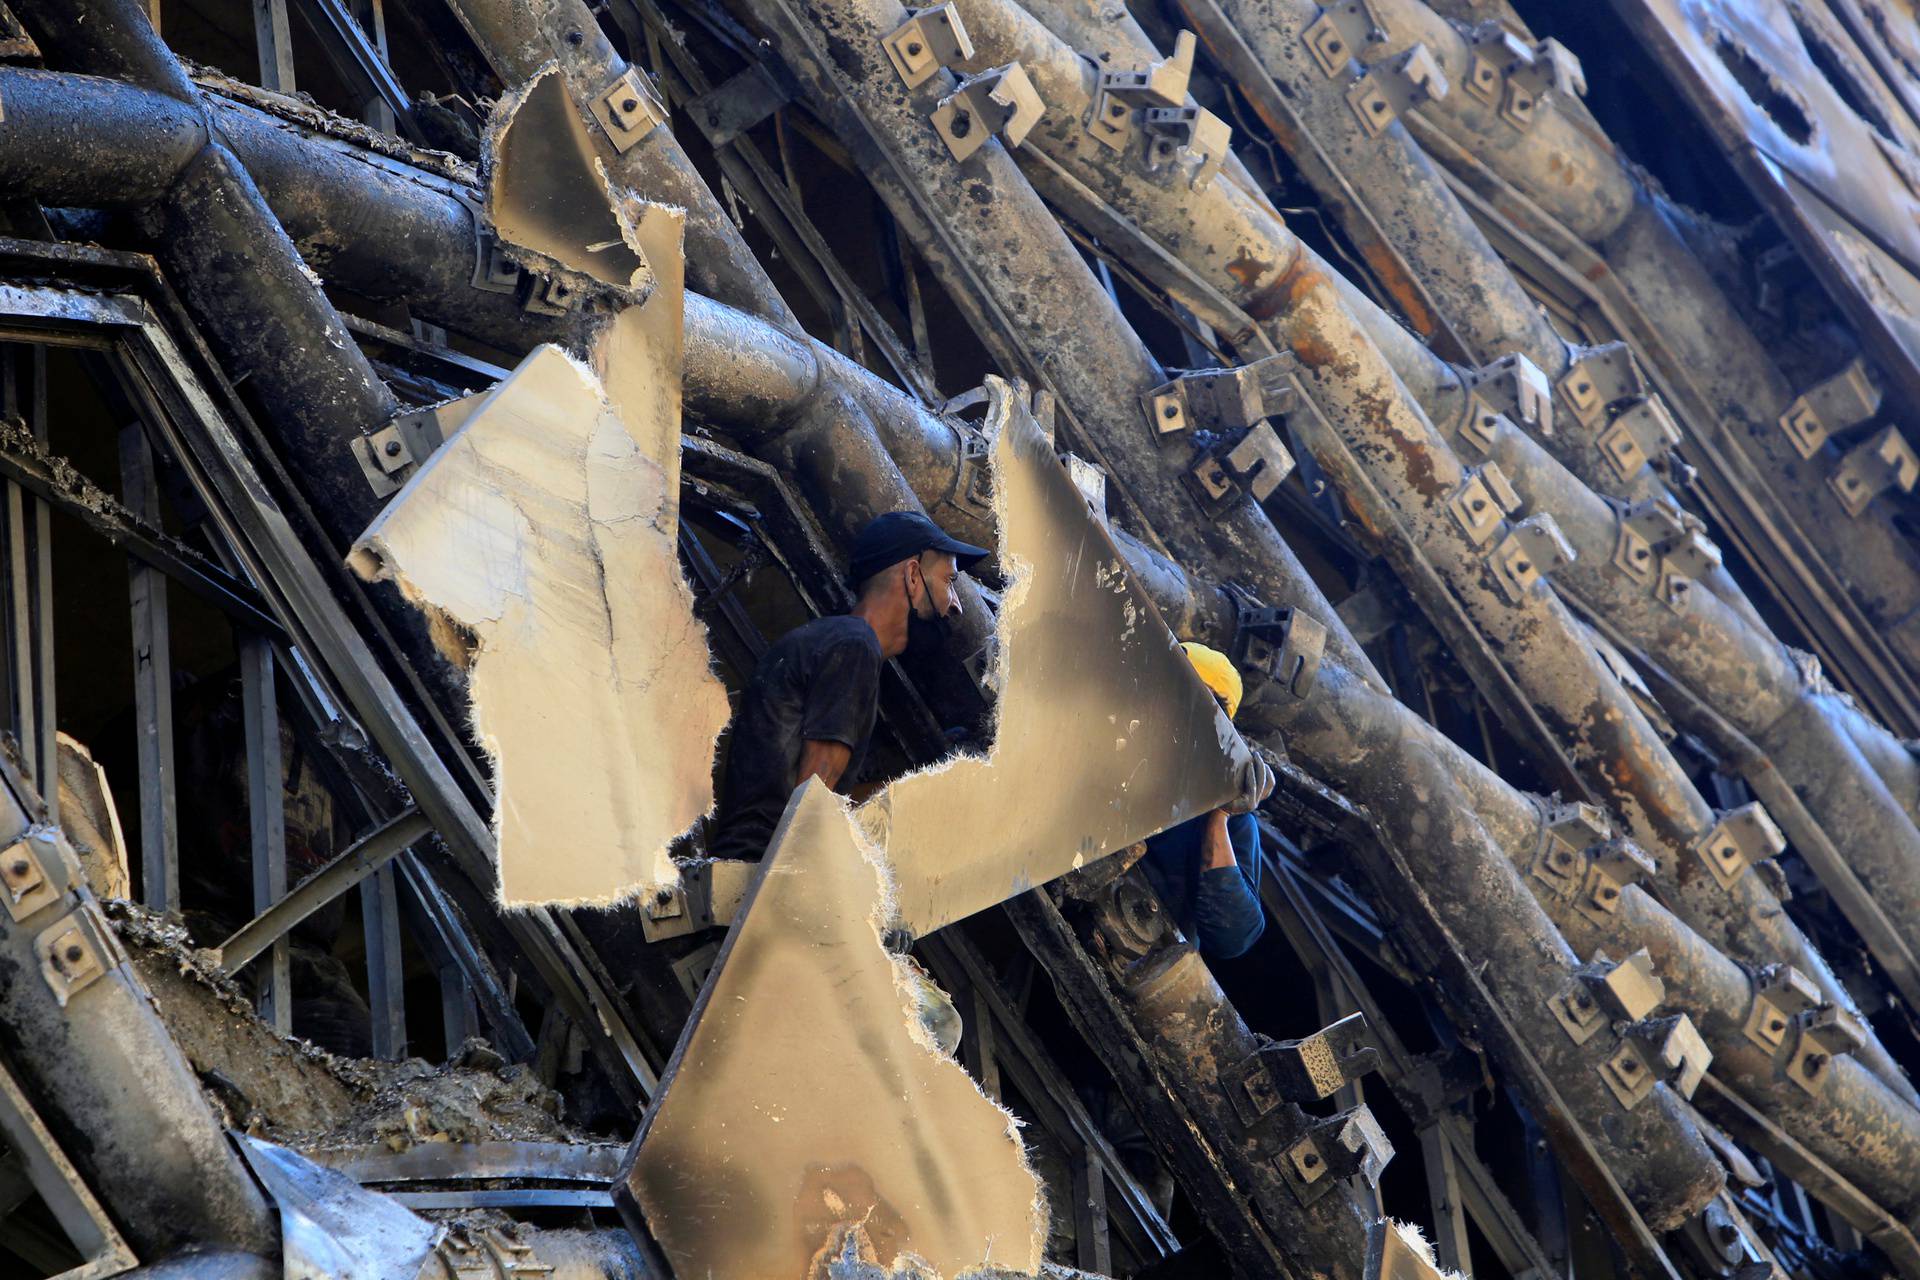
x=1256 y=784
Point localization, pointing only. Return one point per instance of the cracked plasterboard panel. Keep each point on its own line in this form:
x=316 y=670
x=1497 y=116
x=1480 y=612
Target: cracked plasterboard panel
x=805 y=1094
x=1105 y=736
x=541 y=529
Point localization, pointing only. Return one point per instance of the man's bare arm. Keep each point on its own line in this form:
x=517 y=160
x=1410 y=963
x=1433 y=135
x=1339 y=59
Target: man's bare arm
x=1216 y=848
x=824 y=760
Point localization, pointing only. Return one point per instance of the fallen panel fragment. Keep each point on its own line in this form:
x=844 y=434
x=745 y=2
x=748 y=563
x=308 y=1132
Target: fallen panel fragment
x=1105 y=735
x=539 y=529
x=804 y=1094
x=331 y=1226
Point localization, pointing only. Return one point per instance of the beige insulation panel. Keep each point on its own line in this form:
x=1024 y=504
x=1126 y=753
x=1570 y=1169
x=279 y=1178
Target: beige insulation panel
x=1105 y=736
x=540 y=528
x=805 y=1094
x=545 y=531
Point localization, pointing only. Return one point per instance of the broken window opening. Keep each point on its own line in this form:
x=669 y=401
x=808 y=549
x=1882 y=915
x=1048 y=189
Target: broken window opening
x=1764 y=89
x=1838 y=70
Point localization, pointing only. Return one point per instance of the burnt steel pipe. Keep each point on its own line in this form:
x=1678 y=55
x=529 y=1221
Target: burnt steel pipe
x=1566 y=166
x=1200 y=1040
x=79 y=1030
x=1376 y=750
x=1426 y=790
x=1238 y=245
x=233 y=265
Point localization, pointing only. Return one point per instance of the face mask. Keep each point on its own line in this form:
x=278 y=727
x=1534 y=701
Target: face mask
x=926 y=630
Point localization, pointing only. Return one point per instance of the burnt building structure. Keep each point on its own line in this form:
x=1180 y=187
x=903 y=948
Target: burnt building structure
x=417 y=419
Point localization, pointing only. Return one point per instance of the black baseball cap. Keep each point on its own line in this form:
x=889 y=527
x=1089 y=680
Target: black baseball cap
x=901 y=535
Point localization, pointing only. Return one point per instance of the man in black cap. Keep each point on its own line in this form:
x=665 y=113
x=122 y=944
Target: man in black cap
x=810 y=706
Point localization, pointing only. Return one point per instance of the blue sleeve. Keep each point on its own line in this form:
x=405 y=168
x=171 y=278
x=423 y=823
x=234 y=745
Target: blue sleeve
x=1228 y=912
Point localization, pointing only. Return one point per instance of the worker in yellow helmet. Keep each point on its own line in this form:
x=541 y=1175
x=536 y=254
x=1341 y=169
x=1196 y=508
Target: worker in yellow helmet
x=1207 y=869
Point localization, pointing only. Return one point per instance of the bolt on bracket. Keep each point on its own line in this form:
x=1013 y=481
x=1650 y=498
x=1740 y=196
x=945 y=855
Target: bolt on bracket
x=74 y=951
x=1335 y=1148
x=1781 y=994
x=1640 y=433
x=1395 y=86
x=1483 y=500
x=1533 y=548
x=1742 y=838
x=1675 y=1045
x=1285 y=644
x=628 y=110
x=928 y=40
x=1339 y=34
x=31 y=873
x=1515 y=386
x=1002 y=100
x=1189 y=136
x=1611 y=867
x=1831 y=406
x=1825 y=1034
x=1883 y=461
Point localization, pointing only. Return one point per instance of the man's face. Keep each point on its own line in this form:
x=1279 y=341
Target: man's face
x=936 y=595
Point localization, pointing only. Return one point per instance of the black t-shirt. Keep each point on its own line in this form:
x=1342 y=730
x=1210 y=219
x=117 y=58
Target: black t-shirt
x=819 y=681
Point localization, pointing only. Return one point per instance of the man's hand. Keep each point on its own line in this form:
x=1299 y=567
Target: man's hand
x=1216 y=849
x=823 y=760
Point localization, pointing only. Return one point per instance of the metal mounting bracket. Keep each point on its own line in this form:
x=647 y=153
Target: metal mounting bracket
x=1483 y=500
x=1395 y=86
x=1881 y=462
x=1831 y=406
x=1340 y=33
x=32 y=873
x=1286 y=644
x=928 y=40
x=1742 y=838
x=1335 y=1148
x=1781 y=994
x=627 y=110
x=1533 y=548
x=1515 y=386
x=1002 y=100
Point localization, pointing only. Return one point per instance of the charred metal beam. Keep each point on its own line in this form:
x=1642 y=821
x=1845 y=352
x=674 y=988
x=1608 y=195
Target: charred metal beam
x=237 y=271
x=96 y=1063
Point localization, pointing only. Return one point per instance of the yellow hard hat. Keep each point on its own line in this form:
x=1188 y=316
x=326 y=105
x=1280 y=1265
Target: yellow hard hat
x=1217 y=672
